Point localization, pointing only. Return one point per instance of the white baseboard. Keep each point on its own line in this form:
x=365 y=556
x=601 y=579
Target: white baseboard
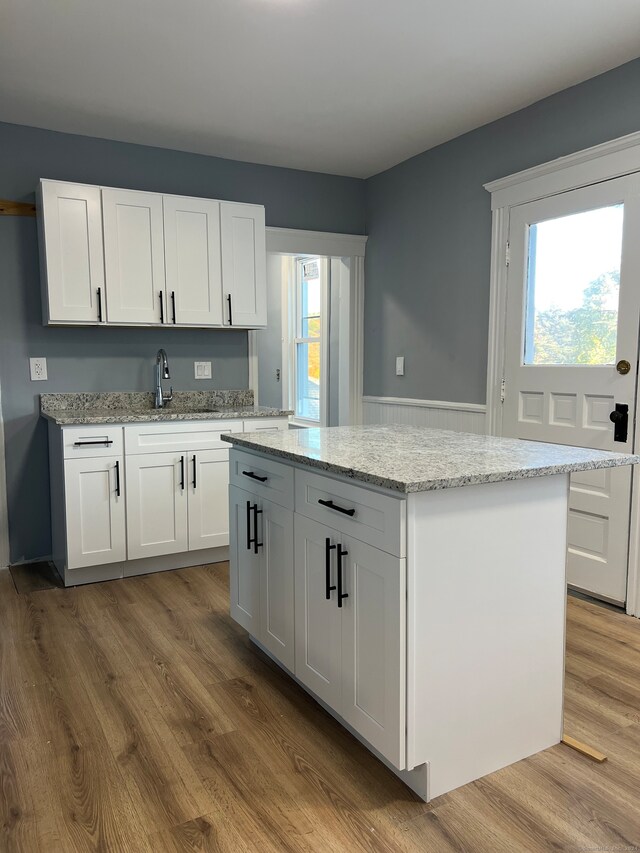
x=441 y=414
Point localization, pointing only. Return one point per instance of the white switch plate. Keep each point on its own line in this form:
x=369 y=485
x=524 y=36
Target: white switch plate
x=202 y=369
x=400 y=365
x=38 y=368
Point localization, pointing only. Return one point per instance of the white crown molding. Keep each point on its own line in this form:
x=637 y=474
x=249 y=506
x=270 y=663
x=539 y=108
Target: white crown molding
x=479 y=408
x=291 y=241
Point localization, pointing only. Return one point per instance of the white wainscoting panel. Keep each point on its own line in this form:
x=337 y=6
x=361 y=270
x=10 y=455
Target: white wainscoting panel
x=462 y=417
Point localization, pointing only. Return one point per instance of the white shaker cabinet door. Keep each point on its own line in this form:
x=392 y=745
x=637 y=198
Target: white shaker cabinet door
x=275 y=534
x=192 y=261
x=373 y=645
x=95 y=511
x=244 y=562
x=70 y=222
x=156 y=504
x=318 y=619
x=208 y=483
x=244 y=265
x=134 y=257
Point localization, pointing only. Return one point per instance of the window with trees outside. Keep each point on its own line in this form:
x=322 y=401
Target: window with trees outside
x=307 y=344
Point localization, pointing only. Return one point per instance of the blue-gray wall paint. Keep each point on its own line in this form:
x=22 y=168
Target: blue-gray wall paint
x=429 y=227
x=83 y=359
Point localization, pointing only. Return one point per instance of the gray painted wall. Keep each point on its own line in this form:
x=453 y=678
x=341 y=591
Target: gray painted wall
x=429 y=227
x=119 y=359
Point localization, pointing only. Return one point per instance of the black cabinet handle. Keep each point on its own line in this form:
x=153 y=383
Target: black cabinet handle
x=173 y=305
x=161 y=308
x=249 y=539
x=195 y=470
x=117 y=478
x=255 y=476
x=341 y=594
x=107 y=442
x=256 y=544
x=230 y=314
x=99 y=305
x=331 y=505
x=328 y=548
x=182 y=473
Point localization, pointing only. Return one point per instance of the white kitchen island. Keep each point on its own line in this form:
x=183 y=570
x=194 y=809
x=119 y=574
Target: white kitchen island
x=413 y=581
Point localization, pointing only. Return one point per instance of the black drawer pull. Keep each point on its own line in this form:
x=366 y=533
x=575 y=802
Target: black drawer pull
x=341 y=594
x=173 y=305
x=106 y=441
x=255 y=476
x=117 y=478
x=331 y=505
x=182 y=473
x=195 y=471
x=99 y=305
x=161 y=307
x=230 y=313
x=328 y=548
x=249 y=539
x=256 y=544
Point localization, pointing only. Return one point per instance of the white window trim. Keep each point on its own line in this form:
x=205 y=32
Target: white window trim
x=604 y=162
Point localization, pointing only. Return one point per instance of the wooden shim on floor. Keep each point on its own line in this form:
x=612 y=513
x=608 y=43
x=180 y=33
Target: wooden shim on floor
x=589 y=751
x=16 y=208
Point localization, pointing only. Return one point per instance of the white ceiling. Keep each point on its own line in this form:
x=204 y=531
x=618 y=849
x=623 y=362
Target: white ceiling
x=349 y=87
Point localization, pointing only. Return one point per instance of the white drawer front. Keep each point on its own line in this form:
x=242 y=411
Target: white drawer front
x=262 y=476
x=377 y=519
x=90 y=441
x=266 y=424
x=180 y=435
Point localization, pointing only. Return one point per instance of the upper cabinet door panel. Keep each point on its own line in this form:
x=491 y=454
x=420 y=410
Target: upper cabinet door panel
x=192 y=259
x=70 y=224
x=243 y=265
x=134 y=257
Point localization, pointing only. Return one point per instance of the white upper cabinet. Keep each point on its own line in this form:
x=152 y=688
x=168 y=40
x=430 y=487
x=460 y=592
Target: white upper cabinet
x=192 y=261
x=72 y=261
x=244 y=265
x=134 y=257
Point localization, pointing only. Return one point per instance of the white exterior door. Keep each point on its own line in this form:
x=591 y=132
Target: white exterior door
x=156 y=504
x=94 y=511
x=244 y=561
x=318 y=619
x=275 y=532
x=373 y=645
x=192 y=261
x=571 y=351
x=244 y=265
x=134 y=257
x=71 y=231
x=208 y=479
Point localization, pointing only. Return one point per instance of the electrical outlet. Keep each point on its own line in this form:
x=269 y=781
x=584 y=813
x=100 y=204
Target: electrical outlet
x=38 y=369
x=202 y=369
x=400 y=365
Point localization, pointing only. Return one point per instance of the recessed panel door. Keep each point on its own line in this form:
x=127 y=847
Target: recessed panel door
x=244 y=265
x=244 y=561
x=156 y=505
x=571 y=356
x=208 y=483
x=275 y=532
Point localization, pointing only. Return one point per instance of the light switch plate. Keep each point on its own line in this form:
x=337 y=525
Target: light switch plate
x=202 y=369
x=38 y=369
x=400 y=365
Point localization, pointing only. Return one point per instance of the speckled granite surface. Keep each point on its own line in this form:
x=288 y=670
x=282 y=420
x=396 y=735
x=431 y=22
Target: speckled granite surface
x=135 y=407
x=417 y=459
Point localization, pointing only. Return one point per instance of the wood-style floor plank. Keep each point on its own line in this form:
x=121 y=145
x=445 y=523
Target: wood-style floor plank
x=137 y=716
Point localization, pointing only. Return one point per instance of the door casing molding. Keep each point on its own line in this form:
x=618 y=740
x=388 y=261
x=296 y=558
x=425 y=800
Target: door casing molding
x=4 y=520
x=613 y=159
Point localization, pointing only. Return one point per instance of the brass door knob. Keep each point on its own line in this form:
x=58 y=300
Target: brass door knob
x=623 y=367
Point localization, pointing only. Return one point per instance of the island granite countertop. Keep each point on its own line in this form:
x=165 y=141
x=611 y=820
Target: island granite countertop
x=137 y=407
x=419 y=459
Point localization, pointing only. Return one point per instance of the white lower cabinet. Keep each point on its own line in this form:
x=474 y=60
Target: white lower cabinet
x=208 y=478
x=261 y=556
x=156 y=504
x=95 y=511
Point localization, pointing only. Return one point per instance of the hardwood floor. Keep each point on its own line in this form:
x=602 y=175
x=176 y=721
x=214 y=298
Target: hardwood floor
x=136 y=716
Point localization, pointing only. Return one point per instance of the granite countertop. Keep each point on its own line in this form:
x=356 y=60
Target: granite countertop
x=137 y=407
x=418 y=459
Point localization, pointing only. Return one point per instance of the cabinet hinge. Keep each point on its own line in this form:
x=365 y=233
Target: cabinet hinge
x=503 y=386
x=507 y=255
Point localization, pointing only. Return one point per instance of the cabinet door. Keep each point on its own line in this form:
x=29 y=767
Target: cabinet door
x=94 y=510
x=373 y=646
x=192 y=260
x=244 y=265
x=244 y=563
x=156 y=504
x=134 y=257
x=70 y=221
x=275 y=532
x=318 y=619
x=208 y=479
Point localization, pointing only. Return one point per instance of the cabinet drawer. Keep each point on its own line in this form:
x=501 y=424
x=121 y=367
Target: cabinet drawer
x=266 y=425
x=181 y=435
x=263 y=476
x=377 y=519
x=87 y=441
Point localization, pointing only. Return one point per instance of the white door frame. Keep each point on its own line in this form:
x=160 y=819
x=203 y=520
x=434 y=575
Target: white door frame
x=351 y=249
x=4 y=521
x=612 y=159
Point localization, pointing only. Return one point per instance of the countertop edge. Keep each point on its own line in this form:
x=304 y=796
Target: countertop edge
x=66 y=418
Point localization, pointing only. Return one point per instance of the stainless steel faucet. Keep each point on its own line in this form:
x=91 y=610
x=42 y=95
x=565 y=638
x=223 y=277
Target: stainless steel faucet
x=162 y=372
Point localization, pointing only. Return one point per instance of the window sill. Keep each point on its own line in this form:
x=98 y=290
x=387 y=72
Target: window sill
x=298 y=422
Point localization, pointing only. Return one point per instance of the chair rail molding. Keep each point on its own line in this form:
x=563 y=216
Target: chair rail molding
x=439 y=414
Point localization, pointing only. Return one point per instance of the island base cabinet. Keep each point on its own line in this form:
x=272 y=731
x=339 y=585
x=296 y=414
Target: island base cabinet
x=261 y=582
x=350 y=650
